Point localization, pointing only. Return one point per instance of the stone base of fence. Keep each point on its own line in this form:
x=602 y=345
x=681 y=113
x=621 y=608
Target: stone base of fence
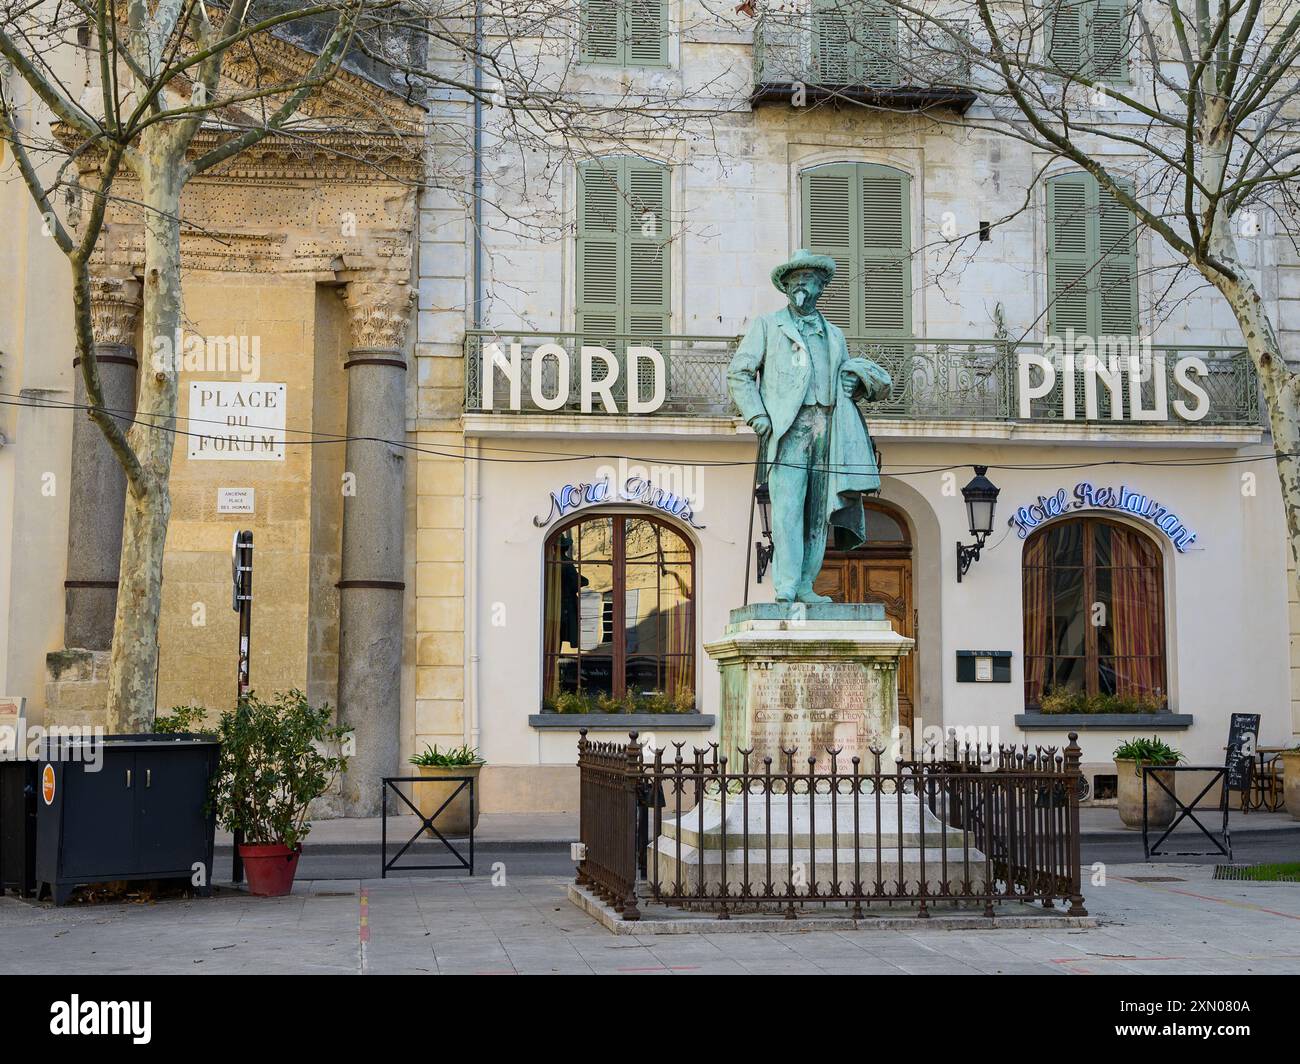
x=673 y=920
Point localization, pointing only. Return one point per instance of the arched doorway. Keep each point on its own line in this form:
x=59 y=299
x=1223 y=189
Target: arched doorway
x=880 y=570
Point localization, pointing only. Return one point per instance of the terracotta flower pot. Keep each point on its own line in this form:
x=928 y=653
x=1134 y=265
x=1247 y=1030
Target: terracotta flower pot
x=270 y=868
x=1291 y=781
x=1160 y=806
x=458 y=817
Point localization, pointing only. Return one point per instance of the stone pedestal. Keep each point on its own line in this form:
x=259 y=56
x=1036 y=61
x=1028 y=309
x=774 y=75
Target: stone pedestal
x=809 y=677
x=812 y=679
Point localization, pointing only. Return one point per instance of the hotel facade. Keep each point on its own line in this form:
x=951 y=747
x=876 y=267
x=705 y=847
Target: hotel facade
x=577 y=498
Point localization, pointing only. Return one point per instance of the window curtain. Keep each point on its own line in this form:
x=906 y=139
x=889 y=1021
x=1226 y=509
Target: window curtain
x=1037 y=619
x=679 y=645
x=676 y=611
x=1137 y=615
x=553 y=618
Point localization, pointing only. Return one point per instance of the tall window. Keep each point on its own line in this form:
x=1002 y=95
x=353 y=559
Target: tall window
x=860 y=215
x=1094 y=611
x=623 y=279
x=625 y=32
x=1090 y=38
x=620 y=610
x=1091 y=259
x=855 y=42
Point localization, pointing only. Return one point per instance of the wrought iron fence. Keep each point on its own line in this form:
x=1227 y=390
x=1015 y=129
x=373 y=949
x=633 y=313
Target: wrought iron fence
x=980 y=380
x=976 y=828
x=934 y=378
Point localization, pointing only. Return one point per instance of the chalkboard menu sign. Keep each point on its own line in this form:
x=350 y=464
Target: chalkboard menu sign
x=1243 y=738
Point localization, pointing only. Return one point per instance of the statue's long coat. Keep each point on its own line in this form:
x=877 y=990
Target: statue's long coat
x=769 y=374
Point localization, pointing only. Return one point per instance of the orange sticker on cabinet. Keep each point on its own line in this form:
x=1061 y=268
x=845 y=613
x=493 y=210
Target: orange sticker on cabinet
x=47 y=784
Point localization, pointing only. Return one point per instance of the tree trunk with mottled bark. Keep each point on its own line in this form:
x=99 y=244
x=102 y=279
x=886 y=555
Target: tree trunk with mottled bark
x=133 y=665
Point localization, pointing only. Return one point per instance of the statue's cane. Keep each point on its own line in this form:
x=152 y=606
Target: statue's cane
x=760 y=477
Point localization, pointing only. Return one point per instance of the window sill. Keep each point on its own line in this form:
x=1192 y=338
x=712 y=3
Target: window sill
x=620 y=721
x=615 y=64
x=1104 y=721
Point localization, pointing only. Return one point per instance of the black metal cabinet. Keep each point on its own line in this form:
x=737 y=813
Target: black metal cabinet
x=168 y=791
x=18 y=826
x=136 y=810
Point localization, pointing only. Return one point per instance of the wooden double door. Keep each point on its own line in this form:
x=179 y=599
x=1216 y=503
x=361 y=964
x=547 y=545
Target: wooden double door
x=880 y=571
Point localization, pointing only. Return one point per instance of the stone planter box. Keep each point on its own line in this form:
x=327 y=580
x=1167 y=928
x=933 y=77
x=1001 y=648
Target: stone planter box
x=461 y=815
x=1100 y=721
x=1291 y=781
x=1160 y=806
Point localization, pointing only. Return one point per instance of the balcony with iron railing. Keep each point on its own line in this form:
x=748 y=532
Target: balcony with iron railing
x=860 y=51
x=1177 y=389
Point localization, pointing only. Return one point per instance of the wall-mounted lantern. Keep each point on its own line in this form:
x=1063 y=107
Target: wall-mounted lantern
x=981 y=500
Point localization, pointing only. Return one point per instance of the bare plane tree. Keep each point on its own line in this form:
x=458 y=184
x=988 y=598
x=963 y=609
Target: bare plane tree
x=1185 y=112
x=158 y=84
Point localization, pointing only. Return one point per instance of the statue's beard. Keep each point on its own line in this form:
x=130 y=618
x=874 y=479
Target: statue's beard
x=800 y=298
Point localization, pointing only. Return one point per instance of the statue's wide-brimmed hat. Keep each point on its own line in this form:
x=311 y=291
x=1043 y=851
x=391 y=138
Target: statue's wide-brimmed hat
x=803 y=260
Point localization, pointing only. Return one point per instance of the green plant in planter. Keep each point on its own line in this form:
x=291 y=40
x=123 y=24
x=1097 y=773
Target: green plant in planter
x=184 y=720
x=460 y=757
x=1064 y=700
x=272 y=766
x=646 y=702
x=1150 y=751
x=567 y=702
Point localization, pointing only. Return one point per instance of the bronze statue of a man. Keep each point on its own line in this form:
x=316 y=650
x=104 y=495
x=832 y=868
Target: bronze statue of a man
x=795 y=385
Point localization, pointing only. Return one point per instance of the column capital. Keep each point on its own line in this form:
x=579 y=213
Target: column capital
x=114 y=305
x=378 y=312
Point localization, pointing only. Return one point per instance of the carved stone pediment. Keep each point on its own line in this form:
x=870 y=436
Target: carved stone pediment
x=335 y=192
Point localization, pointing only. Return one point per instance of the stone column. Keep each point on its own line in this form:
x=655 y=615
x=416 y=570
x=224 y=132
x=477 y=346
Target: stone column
x=374 y=516
x=97 y=493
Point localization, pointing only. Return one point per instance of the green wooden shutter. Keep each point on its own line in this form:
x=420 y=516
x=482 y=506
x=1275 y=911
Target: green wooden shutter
x=828 y=203
x=886 y=251
x=601 y=34
x=1117 y=272
x=1066 y=22
x=855 y=42
x=625 y=32
x=1070 y=252
x=1091 y=259
x=859 y=215
x=1109 y=36
x=600 y=210
x=647 y=250
x=831 y=45
x=646 y=32
x=876 y=44
x=623 y=249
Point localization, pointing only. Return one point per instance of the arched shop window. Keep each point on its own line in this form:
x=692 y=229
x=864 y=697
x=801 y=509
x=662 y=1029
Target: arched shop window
x=1094 y=612
x=620 y=614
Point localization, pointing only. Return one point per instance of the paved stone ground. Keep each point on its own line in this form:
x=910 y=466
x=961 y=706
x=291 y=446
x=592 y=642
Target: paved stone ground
x=524 y=829
x=526 y=926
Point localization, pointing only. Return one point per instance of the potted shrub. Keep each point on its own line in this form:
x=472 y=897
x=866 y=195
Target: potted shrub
x=1291 y=781
x=272 y=767
x=461 y=815
x=1130 y=756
